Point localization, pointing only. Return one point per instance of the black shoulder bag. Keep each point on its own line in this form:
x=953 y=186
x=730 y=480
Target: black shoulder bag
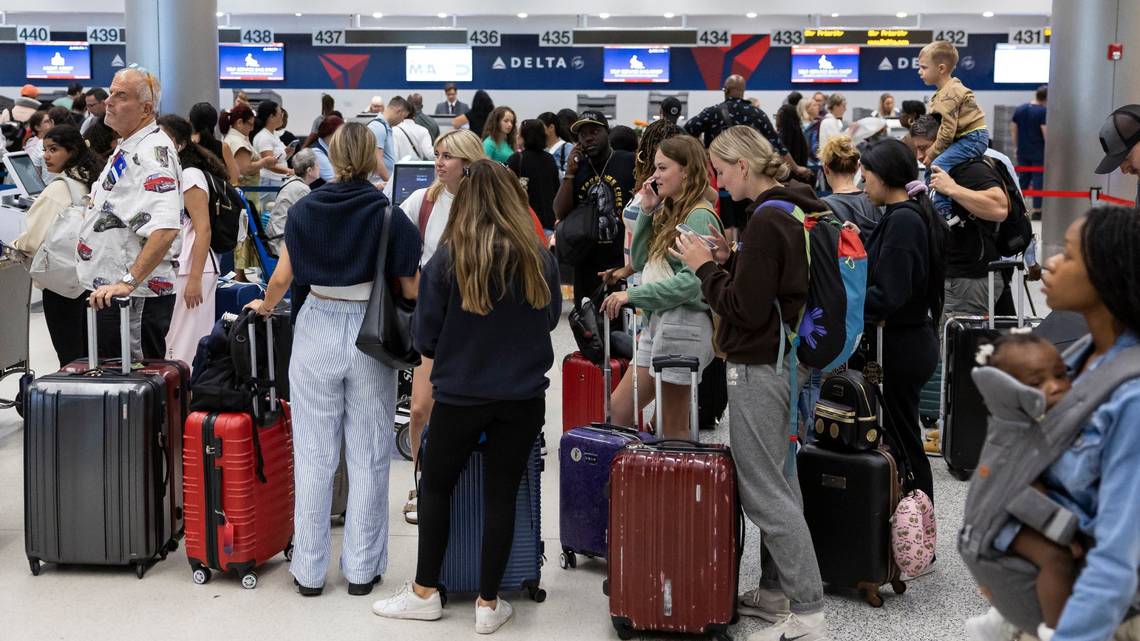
x=386 y=332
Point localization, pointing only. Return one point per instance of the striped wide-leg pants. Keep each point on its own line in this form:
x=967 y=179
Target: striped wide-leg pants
x=338 y=393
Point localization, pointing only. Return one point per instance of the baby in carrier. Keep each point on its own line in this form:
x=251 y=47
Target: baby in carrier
x=1035 y=372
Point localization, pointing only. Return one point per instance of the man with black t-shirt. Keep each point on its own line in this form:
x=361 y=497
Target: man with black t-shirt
x=735 y=110
x=598 y=174
x=979 y=203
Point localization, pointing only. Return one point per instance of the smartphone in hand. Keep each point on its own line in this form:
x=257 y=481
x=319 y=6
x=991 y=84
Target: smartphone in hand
x=685 y=229
x=653 y=186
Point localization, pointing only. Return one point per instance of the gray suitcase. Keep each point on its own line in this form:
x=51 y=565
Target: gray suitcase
x=95 y=471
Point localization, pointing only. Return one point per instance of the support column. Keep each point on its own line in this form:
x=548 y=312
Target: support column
x=1084 y=87
x=178 y=41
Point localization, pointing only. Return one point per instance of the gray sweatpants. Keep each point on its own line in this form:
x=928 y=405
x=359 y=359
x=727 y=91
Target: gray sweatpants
x=758 y=405
x=969 y=297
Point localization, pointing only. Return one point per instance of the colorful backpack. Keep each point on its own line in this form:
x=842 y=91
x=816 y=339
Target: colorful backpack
x=831 y=322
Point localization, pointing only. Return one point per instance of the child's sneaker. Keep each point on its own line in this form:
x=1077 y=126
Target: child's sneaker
x=487 y=620
x=991 y=626
x=1044 y=633
x=406 y=604
x=797 y=627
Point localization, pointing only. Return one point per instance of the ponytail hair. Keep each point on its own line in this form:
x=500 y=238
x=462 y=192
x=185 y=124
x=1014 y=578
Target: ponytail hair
x=239 y=113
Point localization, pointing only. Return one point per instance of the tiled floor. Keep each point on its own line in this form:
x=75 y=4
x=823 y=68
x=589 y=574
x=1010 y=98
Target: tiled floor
x=92 y=604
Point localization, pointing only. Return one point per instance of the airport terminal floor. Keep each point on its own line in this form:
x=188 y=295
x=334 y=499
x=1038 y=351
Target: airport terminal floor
x=96 y=604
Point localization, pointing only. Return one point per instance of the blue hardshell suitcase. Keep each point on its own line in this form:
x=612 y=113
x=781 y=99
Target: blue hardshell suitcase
x=461 y=563
x=231 y=296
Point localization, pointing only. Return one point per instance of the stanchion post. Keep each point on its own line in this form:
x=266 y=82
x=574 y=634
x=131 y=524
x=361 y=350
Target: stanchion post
x=1094 y=196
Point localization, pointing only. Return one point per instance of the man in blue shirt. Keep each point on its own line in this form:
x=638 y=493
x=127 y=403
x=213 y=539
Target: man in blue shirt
x=1028 y=131
x=381 y=128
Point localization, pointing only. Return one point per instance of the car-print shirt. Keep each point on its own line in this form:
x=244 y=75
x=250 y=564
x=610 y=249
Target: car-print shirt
x=138 y=192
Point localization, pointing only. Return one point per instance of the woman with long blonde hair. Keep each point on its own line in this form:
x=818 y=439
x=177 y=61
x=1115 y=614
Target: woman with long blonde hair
x=669 y=294
x=488 y=301
x=430 y=209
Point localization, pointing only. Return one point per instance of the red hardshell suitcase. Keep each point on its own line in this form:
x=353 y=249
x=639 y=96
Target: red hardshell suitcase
x=238 y=485
x=176 y=377
x=663 y=577
x=582 y=385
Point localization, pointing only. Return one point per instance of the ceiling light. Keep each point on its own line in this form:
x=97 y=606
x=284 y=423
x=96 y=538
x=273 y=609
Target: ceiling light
x=522 y=16
x=377 y=15
x=987 y=14
x=750 y=14
x=298 y=14
x=835 y=15
x=441 y=15
x=604 y=16
x=220 y=13
x=901 y=14
x=669 y=15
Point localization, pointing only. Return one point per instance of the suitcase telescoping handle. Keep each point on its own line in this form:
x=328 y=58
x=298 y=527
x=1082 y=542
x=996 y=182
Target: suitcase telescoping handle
x=272 y=373
x=1018 y=267
x=124 y=305
x=677 y=361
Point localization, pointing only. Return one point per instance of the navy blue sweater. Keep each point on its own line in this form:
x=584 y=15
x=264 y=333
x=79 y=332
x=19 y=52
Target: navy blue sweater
x=503 y=356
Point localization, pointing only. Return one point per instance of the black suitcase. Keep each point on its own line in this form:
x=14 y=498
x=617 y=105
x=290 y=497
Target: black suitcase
x=963 y=411
x=95 y=466
x=849 y=498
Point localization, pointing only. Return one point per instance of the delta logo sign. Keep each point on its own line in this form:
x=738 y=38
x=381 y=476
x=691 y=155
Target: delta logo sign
x=345 y=69
x=742 y=57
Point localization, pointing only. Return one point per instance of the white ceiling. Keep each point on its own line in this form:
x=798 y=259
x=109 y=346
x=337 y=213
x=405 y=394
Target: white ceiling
x=628 y=7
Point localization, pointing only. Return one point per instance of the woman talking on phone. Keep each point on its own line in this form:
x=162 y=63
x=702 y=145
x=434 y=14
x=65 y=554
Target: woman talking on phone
x=678 y=320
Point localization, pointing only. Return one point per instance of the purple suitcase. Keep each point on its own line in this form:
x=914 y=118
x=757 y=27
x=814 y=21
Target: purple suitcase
x=584 y=457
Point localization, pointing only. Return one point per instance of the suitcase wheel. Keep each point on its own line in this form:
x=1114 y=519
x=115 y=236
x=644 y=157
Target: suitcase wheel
x=289 y=551
x=249 y=580
x=442 y=594
x=567 y=559
x=606 y=587
x=898 y=586
x=871 y=596
x=537 y=594
x=201 y=575
x=960 y=474
x=34 y=565
x=624 y=627
x=720 y=633
x=140 y=570
x=404 y=441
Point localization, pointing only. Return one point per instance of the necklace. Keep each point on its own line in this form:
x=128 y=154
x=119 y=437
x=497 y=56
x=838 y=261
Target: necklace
x=604 y=167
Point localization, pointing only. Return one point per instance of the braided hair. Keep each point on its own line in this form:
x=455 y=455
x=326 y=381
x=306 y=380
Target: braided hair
x=1110 y=241
x=652 y=137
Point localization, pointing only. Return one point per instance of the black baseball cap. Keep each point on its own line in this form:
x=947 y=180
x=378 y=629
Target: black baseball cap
x=1120 y=133
x=671 y=108
x=590 y=118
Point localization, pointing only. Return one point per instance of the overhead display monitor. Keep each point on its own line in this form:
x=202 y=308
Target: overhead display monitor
x=251 y=62
x=825 y=64
x=438 y=64
x=1021 y=64
x=57 y=61
x=629 y=64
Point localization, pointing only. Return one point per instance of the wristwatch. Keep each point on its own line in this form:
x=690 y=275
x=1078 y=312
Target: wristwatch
x=129 y=280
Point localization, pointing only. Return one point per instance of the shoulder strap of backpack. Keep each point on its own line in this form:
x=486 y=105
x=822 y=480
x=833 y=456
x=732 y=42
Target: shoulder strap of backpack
x=426 y=207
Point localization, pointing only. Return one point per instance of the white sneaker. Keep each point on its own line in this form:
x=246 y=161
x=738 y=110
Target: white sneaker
x=991 y=626
x=487 y=620
x=795 y=627
x=406 y=604
x=766 y=605
x=1044 y=632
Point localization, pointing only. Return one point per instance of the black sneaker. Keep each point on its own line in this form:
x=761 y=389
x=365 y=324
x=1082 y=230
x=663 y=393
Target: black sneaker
x=361 y=589
x=308 y=591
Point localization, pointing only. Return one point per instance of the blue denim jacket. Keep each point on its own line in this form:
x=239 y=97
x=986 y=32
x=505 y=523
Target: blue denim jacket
x=1099 y=479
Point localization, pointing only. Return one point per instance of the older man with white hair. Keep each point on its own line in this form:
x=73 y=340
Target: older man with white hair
x=130 y=235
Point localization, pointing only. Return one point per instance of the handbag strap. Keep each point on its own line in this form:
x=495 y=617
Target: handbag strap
x=382 y=251
x=426 y=207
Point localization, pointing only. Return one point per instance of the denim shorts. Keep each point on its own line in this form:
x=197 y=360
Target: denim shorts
x=683 y=331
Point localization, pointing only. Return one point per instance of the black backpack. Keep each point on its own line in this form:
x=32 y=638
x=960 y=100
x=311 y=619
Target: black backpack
x=226 y=210
x=1014 y=233
x=846 y=414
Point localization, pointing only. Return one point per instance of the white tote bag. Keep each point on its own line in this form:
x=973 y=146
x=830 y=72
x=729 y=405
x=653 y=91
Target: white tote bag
x=53 y=266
